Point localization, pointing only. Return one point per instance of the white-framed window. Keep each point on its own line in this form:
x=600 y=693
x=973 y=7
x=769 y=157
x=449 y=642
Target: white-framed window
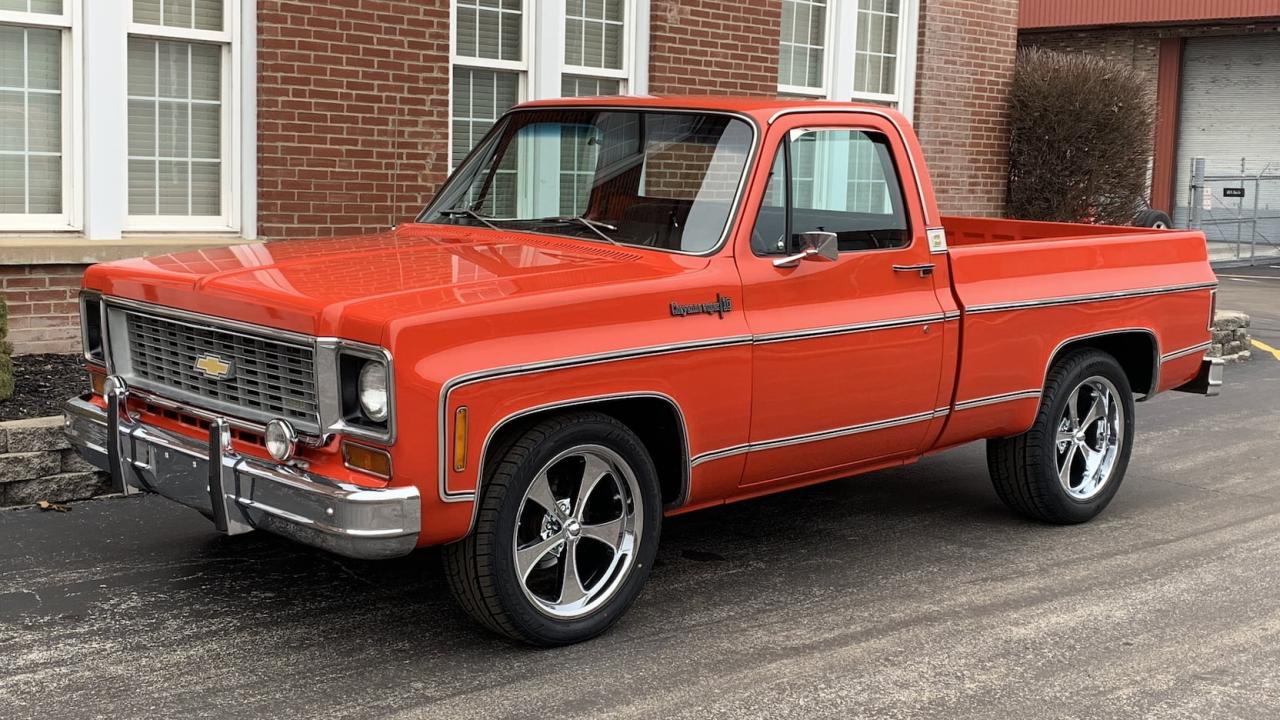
x=816 y=59
x=802 y=48
x=183 y=129
x=39 y=101
x=503 y=52
x=597 y=47
x=489 y=70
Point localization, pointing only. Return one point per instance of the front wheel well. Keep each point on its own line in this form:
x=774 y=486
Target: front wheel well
x=655 y=419
x=1136 y=350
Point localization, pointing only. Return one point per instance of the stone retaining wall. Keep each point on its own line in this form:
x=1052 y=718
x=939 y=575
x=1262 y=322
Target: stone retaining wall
x=37 y=463
x=1231 y=336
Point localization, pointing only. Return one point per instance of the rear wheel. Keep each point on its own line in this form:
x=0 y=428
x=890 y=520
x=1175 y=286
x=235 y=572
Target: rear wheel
x=1068 y=466
x=565 y=535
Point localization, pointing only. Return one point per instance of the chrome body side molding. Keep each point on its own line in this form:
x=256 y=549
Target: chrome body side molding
x=818 y=436
x=1185 y=352
x=1092 y=297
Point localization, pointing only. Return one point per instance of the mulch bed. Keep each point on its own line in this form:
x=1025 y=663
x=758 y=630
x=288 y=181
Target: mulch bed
x=44 y=383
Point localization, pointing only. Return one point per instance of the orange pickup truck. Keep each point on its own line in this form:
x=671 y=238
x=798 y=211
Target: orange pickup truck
x=618 y=309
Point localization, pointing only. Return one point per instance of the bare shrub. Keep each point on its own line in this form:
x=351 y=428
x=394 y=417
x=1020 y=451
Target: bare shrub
x=1080 y=139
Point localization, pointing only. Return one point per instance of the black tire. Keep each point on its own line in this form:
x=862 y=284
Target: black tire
x=1025 y=468
x=481 y=569
x=1153 y=219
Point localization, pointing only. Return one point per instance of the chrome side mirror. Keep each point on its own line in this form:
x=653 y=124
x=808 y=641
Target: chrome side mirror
x=818 y=245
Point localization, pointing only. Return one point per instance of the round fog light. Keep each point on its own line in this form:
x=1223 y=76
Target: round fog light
x=281 y=439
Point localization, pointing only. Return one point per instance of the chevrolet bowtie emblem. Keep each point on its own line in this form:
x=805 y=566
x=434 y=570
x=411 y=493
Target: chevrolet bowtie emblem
x=214 y=367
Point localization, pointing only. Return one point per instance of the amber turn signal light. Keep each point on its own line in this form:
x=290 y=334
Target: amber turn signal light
x=366 y=459
x=460 y=440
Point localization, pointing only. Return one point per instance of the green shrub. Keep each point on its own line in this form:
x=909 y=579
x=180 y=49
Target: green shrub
x=6 y=354
x=1080 y=139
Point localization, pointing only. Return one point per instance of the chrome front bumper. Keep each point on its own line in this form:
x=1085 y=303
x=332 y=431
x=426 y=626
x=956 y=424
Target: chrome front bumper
x=242 y=493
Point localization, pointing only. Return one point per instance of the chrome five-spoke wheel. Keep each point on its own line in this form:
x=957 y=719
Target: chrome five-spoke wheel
x=576 y=531
x=1068 y=465
x=1089 y=437
x=567 y=530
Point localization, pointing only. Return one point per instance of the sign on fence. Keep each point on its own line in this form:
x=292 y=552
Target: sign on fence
x=1232 y=192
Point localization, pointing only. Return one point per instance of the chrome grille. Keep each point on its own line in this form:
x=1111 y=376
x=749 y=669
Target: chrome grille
x=269 y=378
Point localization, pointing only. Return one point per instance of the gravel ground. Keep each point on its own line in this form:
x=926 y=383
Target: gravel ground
x=44 y=382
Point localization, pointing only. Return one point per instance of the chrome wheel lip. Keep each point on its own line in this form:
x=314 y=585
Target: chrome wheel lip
x=1089 y=441
x=567 y=530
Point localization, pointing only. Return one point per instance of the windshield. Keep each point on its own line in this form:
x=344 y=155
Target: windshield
x=666 y=180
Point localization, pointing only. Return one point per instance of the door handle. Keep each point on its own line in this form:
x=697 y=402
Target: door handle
x=925 y=269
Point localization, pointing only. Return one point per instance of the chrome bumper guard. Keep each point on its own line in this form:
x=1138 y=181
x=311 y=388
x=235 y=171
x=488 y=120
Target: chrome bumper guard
x=242 y=493
x=1209 y=381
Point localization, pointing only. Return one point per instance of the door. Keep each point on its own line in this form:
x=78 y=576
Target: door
x=848 y=352
x=1228 y=115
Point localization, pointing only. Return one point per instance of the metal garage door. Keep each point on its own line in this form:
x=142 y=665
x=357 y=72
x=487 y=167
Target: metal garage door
x=1230 y=111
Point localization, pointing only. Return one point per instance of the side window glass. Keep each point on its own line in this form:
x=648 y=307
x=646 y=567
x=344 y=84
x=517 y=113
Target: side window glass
x=844 y=182
x=768 y=235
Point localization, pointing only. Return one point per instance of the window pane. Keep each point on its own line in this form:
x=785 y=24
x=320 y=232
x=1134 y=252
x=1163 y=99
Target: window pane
x=208 y=15
x=177 y=13
x=44 y=59
x=146 y=11
x=802 y=45
x=843 y=181
x=44 y=7
x=45 y=190
x=206 y=140
x=173 y=69
x=489 y=29
x=171 y=129
x=173 y=190
x=13 y=184
x=44 y=122
x=206 y=72
x=13 y=135
x=142 y=187
x=142 y=67
x=142 y=127
x=206 y=188
x=30 y=120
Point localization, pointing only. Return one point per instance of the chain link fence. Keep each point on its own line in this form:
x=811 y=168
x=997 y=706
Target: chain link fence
x=1239 y=212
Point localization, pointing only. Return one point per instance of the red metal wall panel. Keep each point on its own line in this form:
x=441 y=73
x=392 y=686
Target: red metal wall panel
x=1168 y=87
x=1041 y=14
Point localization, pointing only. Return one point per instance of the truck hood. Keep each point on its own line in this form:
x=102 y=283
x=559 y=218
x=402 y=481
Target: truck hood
x=352 y=287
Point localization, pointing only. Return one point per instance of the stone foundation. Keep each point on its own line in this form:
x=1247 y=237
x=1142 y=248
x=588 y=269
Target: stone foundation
x=37 y=463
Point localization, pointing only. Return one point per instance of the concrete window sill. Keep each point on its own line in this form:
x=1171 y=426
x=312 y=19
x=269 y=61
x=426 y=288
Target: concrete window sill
x=77 y=250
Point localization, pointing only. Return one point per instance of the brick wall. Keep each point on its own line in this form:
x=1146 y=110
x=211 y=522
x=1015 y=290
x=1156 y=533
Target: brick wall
x=964 y=72
x=714 y=47
x=44 y=311
x=1135 y=47
x=352 y=113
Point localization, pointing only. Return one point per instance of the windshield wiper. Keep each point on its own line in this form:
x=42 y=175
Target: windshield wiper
x=468 y=212
x=592 y=225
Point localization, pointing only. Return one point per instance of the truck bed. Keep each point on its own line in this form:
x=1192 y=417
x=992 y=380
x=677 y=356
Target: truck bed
x=1025 y=290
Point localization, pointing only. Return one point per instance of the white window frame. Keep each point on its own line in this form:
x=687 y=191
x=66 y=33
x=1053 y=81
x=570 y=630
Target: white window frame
x=72 y=119
x=624 y=75
x=520 y=67
x=542 y=61
x=228 y=39
x=828 y=42
x=840 y=59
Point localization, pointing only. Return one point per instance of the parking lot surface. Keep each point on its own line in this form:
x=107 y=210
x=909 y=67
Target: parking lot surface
x=906 y=593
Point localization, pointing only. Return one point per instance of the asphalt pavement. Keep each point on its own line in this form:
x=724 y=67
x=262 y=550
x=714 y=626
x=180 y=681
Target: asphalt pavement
x=906 y=593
